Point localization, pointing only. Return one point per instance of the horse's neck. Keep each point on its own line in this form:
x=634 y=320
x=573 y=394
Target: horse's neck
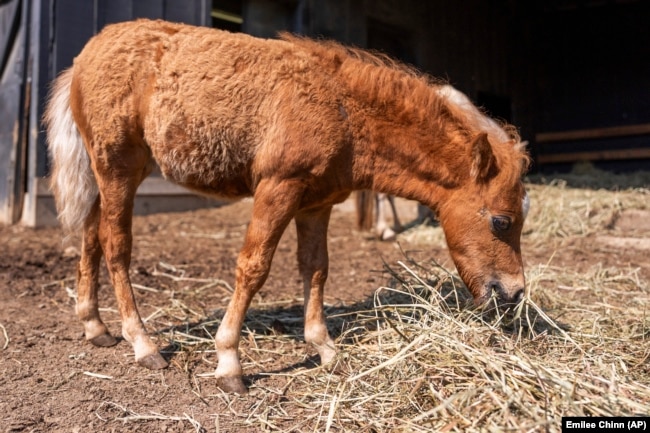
x=408 y=142
x=403 y=160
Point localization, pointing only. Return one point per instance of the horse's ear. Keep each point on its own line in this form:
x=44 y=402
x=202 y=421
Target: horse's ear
x=483 y=161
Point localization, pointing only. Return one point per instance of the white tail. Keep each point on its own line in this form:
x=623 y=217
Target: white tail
x=72 y=180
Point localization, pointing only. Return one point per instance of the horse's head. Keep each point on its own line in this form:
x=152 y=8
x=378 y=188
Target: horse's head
x=483 y=220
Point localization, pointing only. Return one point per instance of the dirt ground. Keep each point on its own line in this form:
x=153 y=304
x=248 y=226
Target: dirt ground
x=52 y=380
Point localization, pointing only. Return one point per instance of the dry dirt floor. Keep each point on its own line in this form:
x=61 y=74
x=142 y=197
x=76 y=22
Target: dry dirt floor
x=52 y=380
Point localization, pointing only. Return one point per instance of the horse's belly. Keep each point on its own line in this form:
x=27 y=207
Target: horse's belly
x=233 y=188
x=212 y=167
x=199 y=150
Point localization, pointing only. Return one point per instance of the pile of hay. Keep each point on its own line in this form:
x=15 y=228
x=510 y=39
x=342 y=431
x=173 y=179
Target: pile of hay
x=559 y=211
x=432 y=364
x=421 y=359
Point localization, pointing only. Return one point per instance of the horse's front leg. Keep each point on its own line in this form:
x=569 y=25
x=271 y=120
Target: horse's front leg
x=275 y=203
x=313 y=263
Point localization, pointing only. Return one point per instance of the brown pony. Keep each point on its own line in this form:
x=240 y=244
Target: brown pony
x=298 y=125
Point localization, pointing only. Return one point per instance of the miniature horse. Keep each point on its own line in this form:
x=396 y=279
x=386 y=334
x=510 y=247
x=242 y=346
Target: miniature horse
x=295 y=123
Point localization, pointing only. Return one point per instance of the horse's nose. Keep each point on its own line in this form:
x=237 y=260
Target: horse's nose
x=504 y=296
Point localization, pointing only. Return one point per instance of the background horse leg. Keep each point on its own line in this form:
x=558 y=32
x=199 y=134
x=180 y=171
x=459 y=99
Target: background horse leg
x=88 y=283
x=273 y=207
x=118 y=183
x=383 y=229
x=313 y=263
x=425 y=214
x=396 y=222
x=365 y=207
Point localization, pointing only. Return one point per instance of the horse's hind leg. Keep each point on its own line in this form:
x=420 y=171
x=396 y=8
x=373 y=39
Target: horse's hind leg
x=313 y=263
x=118 y=174
x=88 y=283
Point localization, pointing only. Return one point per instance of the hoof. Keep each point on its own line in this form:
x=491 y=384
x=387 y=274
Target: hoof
x=232 y=385
x=338 y=369
x=104 y=340
x=153 y=362
x=388 y=235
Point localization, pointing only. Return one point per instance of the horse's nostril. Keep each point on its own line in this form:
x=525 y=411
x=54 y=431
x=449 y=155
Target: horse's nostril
x=519 y=296
x=497 y=288
x=502 y=295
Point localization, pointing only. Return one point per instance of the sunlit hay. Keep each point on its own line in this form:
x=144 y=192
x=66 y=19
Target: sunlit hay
x=426 y=363
x=418 y=356
x=558 y=212
x=426 y=234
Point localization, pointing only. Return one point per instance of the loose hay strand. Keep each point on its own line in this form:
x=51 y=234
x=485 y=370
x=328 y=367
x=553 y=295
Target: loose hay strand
x=97 y=375
x=128 y=416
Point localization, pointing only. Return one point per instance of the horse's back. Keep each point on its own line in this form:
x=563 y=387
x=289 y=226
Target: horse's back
x=209 y=104
x=176 y=89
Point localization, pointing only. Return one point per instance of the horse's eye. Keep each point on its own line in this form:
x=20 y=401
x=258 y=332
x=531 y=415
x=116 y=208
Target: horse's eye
x=501 y=223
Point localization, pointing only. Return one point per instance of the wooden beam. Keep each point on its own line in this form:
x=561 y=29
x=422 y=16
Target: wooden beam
x=154 y=195
x=595 y=155
x=586 y=134
x=152 y=185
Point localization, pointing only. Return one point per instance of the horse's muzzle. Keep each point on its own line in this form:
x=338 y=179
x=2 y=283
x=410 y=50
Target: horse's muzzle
x=505 y=297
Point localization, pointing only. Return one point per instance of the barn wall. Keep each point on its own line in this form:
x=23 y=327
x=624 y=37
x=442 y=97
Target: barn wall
x=544 y=65
x=592 y=60
x=464 y=42
x=264 y=18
